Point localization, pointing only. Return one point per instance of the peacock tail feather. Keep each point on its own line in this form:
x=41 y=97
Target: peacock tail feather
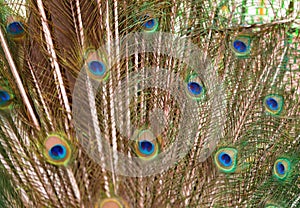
x=120 y=104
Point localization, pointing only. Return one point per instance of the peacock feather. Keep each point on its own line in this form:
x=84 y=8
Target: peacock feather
x=179 y=103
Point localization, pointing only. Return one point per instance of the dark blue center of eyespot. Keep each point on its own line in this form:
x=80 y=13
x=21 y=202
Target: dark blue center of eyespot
x=97 y=68
x=280 y=168
x=272 y=103
x=240 y=46
x=15 y=28
x=225 y=159
x=58 y=152
x=4 y=97
x=149 y=24
x=146 y=147
x=195 y=88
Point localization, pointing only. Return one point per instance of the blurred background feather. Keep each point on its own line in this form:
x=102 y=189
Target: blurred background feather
x=254 y=50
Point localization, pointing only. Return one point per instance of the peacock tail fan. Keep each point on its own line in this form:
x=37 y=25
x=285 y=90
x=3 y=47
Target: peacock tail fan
x=126 y=104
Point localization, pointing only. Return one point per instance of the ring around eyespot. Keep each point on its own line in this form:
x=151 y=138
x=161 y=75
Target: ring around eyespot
x=240 y=45
x=194 y=87
x=281 y=168
x=226 y=159
x=146 y=145
x=271 y=206
x=97 y=70
x=15 y=29
x=149 y=24
x=57 y=151
x=273 y=104
x=112 y=203
x=6 y=99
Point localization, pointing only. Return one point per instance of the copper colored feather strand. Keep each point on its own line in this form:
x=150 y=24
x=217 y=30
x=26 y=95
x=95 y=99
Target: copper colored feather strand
x=120 y=104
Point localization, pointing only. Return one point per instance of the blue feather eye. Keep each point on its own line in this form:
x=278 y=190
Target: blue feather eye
x=5 y=99
x=149 y=24
x=241 y=45
x=226 y=159
x=57 y=150
x=15 y=29
x=97 y=70
x=273 y=104
x=194 y=87
x=281 y=168
x=146 y=145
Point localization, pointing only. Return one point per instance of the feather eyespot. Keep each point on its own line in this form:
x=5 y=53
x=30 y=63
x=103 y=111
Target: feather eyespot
x=57 y=150
x=240 y=45
x=146 y=145
x=97 y=64
x=273 y=104
x=5 y=99
x=112 y=203
x=194 y=87
x=281 y=168
x=97 y=70
x=149 y=24
x=226 y=159
x=15 y=29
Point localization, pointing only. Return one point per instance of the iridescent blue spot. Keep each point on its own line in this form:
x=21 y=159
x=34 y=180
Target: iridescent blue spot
x=272 y=103
x=15 y=28
x=97 y=68
x=4 y=97
x=58 y=152
x=240 y=46
x=280 y=168
x=225 y=159
x=149 y=24
x=146 y=147
x=195 y=88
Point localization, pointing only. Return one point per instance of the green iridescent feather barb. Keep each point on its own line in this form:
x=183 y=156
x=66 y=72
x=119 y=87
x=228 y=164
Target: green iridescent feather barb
x=129 y=104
